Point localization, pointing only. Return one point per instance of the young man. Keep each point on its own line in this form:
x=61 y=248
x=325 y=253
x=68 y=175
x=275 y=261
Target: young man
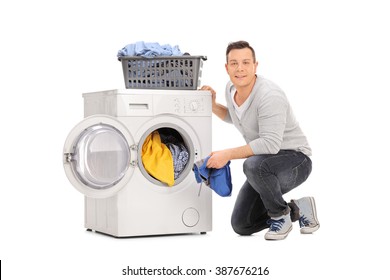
x=277 y=152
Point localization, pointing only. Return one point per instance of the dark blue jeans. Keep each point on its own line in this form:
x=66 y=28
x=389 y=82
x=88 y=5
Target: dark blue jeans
x=261 y=196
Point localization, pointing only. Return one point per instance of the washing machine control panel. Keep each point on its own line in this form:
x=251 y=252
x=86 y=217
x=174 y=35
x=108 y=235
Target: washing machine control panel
x=193 y=105
x=184 y=105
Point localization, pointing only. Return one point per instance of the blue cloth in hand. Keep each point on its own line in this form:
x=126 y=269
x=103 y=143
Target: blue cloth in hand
x=219 y=180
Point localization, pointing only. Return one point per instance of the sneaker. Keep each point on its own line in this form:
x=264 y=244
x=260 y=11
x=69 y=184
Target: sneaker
x=279 y=228
x=307 y=214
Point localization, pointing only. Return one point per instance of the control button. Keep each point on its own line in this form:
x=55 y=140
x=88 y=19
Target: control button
x=194 y=106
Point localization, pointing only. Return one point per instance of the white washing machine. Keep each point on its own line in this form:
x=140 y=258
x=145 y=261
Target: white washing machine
x=102 y=159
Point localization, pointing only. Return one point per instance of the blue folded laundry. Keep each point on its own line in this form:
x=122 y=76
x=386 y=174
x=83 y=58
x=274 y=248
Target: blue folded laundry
x=219 y=180
x=149 y=50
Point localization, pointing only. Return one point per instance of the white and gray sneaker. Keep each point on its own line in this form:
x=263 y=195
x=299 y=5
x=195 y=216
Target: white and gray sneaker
x=279 y=227
x=308 y=220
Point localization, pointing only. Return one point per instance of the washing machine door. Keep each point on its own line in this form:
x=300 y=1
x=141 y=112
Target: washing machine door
x=98 y=157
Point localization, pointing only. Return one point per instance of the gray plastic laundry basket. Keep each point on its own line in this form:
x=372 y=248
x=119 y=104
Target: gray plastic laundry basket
x=162 y=72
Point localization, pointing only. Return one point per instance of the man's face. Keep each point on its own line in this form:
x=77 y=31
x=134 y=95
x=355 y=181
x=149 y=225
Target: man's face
x=241 y=67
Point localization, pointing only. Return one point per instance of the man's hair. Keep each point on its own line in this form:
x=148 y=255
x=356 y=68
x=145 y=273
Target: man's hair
x=238 y=46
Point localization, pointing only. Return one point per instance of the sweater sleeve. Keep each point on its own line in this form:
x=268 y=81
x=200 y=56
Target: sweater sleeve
x=271 y=120
x=228 y=117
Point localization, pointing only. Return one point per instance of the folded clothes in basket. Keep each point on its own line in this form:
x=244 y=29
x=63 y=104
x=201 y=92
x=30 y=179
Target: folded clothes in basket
x=149 y=50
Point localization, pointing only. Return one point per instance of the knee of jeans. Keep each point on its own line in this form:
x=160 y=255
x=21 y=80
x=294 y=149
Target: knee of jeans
x=239 y=227
x=253 y=165
x=250 y=166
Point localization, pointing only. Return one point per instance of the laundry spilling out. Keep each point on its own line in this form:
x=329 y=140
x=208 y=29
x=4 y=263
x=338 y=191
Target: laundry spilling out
x=164 y=155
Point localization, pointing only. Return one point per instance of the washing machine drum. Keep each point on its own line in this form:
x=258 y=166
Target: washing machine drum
x=101 y=156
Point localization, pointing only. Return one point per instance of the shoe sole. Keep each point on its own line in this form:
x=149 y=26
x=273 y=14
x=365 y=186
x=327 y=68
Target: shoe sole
x=277 y=236
x=308 y=230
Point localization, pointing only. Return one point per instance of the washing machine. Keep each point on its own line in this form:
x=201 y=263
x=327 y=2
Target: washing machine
x=102 y=159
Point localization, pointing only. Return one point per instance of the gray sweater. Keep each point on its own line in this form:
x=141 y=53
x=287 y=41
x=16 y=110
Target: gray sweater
x=268 y=125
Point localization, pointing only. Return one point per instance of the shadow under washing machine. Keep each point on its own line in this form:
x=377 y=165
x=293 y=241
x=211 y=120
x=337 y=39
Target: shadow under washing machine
x=103 y=160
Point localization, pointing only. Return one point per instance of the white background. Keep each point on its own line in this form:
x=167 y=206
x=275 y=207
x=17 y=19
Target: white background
x=331 y=58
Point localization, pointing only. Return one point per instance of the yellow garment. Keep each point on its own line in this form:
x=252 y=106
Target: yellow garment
x=157 y=159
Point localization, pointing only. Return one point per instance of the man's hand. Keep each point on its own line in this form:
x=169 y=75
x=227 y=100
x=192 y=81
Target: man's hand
x=218 y=159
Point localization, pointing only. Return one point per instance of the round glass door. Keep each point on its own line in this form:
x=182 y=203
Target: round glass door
x=101 y=156
x=98 y=159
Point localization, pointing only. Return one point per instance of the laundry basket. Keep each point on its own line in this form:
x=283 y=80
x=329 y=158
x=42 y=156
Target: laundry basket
x=163 y=72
